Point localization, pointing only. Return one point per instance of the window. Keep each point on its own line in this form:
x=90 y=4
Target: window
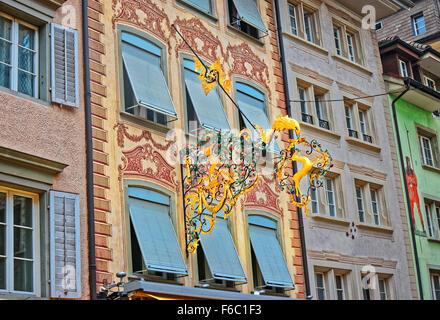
x=337 y=35
x=19 y=272
x=314 y=105
x=308 y=27
x=432 y=210
x=383 y=292
x=375 y=206
x=306 y=117
x=418 y=24
x=351 y=49
x=330 y=197
x=155 y=251
x=145 y=92
x=349 y=122
x=435 y=285
x=360 y=203
x=203 y=5
x=403 y=68
x=339 y=286
x=269 y=266
x=360 y=127
x=205 y=110
x=244 y=16
x=347 y=42
x=320 y=286
x=426 y=148
x=293 y=19
x=18 y=56
x=379 y=25
x=314 y=200
x=218 y=261
x=375 y=212
x=430 y=83
x=327 y=198
x=252 y=103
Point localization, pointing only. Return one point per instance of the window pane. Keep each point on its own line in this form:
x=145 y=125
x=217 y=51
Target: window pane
x=5 y=28
x=5 y=51
x=382 y=290
x=23 y=243
x=22 y=211
x=26 y=37
x=25 y=83
x=26 y=60
x=293 y=25
x=23 y=275
x=2 y=273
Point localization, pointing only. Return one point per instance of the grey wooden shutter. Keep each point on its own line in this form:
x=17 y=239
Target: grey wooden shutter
x=64 y=64
x=65 y=258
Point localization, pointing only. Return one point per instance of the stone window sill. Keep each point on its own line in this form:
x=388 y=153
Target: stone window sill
x=431 y=239
x=306 y=42
x=372 y=227
x=329 y=219
x=431 y=168
x=319 y=129
x=352 y=64
x=366 y=145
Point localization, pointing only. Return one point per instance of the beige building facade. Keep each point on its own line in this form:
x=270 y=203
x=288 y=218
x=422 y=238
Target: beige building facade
x=357 y=235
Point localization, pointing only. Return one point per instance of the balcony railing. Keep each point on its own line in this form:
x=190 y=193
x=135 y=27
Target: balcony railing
x=307 y=118
x=368 y=138
x=353 y=133
x=324 y=124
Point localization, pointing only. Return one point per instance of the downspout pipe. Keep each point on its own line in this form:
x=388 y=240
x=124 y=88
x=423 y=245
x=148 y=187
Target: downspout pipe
x=89 y=152
x=294 y=165
x=407 y=82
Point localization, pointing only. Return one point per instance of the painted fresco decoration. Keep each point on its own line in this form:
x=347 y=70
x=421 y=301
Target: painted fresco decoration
x=223 y=166
x=411 y=180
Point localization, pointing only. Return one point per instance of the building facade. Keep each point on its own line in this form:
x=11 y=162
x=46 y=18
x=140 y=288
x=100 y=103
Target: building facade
x=357 y=239
x=144 y=92
x=421 y=23
x=417 y=127
x=43 y=220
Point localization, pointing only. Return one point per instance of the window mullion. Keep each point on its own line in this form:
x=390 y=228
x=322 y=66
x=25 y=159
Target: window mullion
x=14 y=58
x=10 y=243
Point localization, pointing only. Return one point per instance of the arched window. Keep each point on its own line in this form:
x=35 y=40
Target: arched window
x=146 y=91
x=155 y=249
x=269 y=268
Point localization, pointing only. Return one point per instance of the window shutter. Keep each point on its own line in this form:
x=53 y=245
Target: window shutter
x=64 y=60
x=339 y=195
x=65 y=259
x=383 y=208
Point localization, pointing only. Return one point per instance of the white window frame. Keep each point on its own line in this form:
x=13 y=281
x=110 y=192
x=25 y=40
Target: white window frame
x=309 y=24
x=435 y=296
x=350 y=46
x=427 y=82
x=332 y=191
x=338 y=42
x=320 y=288
x=342 y=289
x=415 y=25
x=403 y=67
x=349 y=117
x=293 y=18
x=423 y=149
x=375 y=202
x=14 y=54
x=361 y=199
x=385 y=292
x=10 y=193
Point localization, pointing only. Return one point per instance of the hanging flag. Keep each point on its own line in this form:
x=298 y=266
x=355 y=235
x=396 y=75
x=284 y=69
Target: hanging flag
x=211 y=76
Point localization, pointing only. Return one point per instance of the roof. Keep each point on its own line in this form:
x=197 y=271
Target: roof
x=416 y=47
